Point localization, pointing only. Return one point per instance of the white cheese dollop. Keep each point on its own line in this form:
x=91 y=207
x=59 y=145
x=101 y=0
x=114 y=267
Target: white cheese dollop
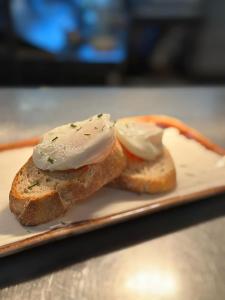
x=74 y=145
x=141 y=139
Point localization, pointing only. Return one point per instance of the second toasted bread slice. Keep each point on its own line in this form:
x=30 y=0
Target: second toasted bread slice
x=143 y=176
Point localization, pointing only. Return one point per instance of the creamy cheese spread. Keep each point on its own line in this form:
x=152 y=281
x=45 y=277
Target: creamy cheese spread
x=141 y=139
x=74 y=145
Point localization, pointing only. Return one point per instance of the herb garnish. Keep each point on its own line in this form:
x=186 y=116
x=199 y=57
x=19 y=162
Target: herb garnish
x=32 y=185
x=64 y=223
x=55 y=139
x=99 y=116
x=73 y=125
x=51 y=160
x=87 y=134
x=79 y=128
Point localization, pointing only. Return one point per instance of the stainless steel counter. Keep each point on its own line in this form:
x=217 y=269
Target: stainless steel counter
x=175 y=254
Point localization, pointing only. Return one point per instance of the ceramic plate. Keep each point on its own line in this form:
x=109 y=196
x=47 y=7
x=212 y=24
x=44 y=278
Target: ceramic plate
x=200 y=173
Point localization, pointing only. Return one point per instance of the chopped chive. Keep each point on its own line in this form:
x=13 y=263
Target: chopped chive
x=113 y=125
x=55 y=139
x=99 y=116
x=87 y=134
x=51 y=160
x=64 y=223
x=32 y=185
x=73 y=125
x=90 y=120
x=79 y=128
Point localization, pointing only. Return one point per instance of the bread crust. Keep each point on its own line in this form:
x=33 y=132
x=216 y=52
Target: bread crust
x=31 y=209
x=158 y=176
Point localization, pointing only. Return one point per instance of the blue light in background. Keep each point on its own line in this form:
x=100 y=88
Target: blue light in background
x=90 y=17
x=102 y=3
x=88 y=53
x=44 y=24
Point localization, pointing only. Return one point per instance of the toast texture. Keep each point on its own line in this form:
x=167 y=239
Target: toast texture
x=151 y=177
x=39 y=196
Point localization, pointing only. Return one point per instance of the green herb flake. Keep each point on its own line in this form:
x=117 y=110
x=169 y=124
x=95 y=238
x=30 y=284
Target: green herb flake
x=32 y=185
x=78 y=129
x=113 y=125
x=55 y=139
x=90 y=120
x=73 y=125
x=100 y=115
x=51 y=160
x=64 y=223
x=87 y=134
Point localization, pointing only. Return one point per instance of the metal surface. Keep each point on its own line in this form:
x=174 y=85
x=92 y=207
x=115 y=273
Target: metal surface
x=176 y=254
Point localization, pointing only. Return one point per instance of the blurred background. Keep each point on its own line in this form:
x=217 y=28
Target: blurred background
x=112 y=42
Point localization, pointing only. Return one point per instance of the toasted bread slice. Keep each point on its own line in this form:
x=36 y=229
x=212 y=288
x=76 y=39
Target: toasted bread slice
x=39 y=196
x=143 y=176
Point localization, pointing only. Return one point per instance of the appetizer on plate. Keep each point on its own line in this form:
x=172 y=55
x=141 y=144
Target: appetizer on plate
x=75 y=160
x=71 y=163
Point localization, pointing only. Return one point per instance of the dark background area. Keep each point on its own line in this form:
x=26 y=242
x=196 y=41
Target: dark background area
x=112 y=42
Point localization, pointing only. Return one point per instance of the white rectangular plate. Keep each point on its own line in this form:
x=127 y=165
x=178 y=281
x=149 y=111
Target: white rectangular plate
x=200 y=173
